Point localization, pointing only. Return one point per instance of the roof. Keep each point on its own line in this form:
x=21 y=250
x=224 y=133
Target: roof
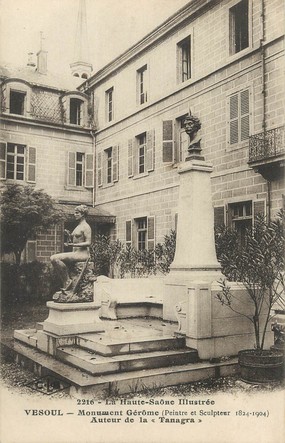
x=95 y=214
x=62 y=82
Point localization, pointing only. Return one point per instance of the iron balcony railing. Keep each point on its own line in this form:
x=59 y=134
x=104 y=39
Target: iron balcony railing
x=267 y=144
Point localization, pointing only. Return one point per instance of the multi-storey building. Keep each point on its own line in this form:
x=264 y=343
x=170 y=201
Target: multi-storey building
x=47 y=142
x=223 y=60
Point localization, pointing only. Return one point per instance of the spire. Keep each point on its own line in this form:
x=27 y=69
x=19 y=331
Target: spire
x=81 y=67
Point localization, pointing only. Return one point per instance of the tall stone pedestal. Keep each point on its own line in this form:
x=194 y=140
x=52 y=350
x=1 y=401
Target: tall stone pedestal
x=195 y=256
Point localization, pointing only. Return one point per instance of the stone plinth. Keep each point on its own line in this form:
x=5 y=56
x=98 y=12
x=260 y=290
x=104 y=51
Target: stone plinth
x=72 y=318
x=213 y=329
x=195 y=255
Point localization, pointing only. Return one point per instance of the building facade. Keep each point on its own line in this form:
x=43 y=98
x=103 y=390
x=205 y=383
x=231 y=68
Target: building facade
x=221 y=59
x=116 y=141
x=47 y=142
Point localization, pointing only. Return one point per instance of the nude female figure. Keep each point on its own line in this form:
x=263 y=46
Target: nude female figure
x=81 y=240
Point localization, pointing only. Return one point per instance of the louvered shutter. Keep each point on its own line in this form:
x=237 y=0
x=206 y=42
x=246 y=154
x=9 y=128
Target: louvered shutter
x=167 y=141
x=99 y=168
x=234 y=126
x=150 y=146
x=244 y=118
x=3 y=160
x=115 y=163
x=31 y=165
x=129 y=233
x=130 y=158
x=135 y=158
x=229 y=216
x=71 y=181
x=150 y=233
x=219 y=216
x=89 y=171
x=258 y=208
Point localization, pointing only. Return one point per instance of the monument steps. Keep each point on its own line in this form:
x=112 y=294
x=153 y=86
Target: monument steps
x=96 y=364
x=83 y=384
x=110 y=347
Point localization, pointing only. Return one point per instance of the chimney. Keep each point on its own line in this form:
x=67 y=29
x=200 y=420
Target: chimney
x=42 y=62
x=31 y=62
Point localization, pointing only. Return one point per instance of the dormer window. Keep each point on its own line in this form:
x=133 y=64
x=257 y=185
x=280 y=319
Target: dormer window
x=75 y=109
x=17 y=102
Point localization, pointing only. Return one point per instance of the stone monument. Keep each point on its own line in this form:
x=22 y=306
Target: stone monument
x=190 y=294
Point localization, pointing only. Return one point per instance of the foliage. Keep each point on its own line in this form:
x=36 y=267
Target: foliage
x=33 y=280
x=113 y=259
x=164 y=252
x=24 y=211
x=259 y=265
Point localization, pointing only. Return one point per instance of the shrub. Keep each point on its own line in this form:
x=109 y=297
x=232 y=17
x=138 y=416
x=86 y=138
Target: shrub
x=33 y=280
x=259 y=265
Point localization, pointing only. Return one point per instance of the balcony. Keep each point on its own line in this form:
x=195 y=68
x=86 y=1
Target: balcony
x=267 y=152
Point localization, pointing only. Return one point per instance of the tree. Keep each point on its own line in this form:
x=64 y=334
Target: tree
x=259 y=265
x=24 y=211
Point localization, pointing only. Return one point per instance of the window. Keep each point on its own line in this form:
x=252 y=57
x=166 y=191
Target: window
x=80 y=169
x=17 y=102
x=240 y=218
x=109 y=105
x=142 y=85
x=75 y=109
x=184 y=59
x=140 y=233
x=141 y=152
x=17 y=162
x=109 y=164
x=239 y=27
x=239 y=120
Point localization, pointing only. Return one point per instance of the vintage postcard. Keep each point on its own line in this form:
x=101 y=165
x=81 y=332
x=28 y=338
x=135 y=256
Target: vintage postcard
x=142 y=221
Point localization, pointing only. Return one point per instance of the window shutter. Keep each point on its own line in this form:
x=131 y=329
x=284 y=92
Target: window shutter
x=31 y=165
x=99 y=168
x=89 y=171
x=135 y=158
x=244 y=110
x=130 y=158
x=219 y=216
x=115 y=163
x=150 y=146
x=234 y=129
x=258 y=208
x=150 y=233
x=3 y=160
x=129 y=233
x=71 y=169
x=167 y=141
x=229 y=216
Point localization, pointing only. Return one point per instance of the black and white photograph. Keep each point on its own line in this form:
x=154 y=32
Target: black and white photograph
x=142 y=194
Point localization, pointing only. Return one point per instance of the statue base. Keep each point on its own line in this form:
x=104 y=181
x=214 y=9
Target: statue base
x=70 y=319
